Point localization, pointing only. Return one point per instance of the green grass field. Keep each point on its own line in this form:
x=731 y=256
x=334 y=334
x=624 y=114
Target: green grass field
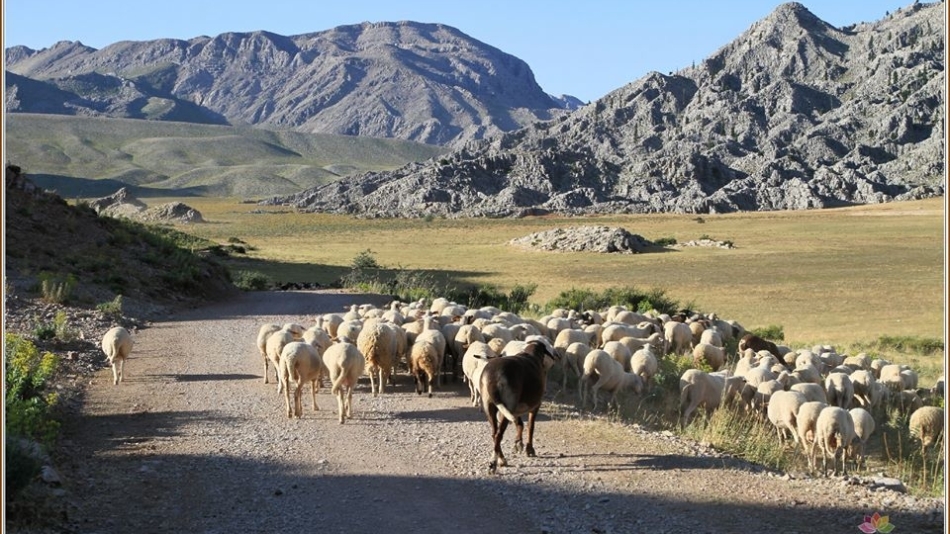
x=177 y=159
x=837 y=276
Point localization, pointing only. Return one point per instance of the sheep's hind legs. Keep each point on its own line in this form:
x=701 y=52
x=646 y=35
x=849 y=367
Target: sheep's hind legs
x=519 y=441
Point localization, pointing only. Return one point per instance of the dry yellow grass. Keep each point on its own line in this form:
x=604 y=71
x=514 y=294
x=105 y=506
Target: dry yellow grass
x=831 y=276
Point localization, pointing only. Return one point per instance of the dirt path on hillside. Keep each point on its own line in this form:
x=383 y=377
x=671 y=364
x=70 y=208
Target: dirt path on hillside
x=194 y=442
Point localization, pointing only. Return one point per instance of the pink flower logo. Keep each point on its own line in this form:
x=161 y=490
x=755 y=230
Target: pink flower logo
x=876 y=523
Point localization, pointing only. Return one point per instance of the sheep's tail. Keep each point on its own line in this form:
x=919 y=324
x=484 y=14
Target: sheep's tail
x=684 y=396
x=338 y=383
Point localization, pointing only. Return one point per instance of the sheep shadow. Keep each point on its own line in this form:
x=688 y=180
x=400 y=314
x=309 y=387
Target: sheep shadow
x=209 y=377
x=463 y=414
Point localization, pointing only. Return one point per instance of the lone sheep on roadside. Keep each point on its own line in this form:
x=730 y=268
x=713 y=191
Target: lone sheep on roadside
x=117 y=344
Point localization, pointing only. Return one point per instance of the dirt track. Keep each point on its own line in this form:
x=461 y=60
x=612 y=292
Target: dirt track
x=194 y=441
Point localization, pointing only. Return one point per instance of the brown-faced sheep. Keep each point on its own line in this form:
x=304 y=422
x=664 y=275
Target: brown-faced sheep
x=117 y=345
x=514 y=386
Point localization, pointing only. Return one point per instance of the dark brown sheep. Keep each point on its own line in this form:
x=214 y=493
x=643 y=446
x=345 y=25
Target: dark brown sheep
x=754 y=342
x=514 y=386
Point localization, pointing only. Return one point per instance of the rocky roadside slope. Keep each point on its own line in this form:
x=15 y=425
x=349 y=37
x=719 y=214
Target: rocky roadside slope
x=194 y=441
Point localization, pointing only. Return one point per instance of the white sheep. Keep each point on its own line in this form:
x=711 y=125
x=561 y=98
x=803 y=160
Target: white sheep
x=909 y=379
x=805 y=424
x=699 y=388
x=353 y=314
x=424 y=360
x=603 y=372
x=926 y=424
x=265 y=331
x=345 y=365
x=678 y=337
x=616 y=331
x=891 y=377
x=863 y=428
x=300 y=363
x=937 y=390
x=563 y=340
x=644 y=363
x=275 y=344
x=711 y=355
x=654 y=340
x=839 y=390
x=712 y=336
x=782 y=411
x=350 y=330
x=834 y=433
x=378 y=344
x=763 y=394
x=862 y=382
x=474 y=359
x=317 y=337
x=619 y=352
x=876 y=365
x=812 y=392
x=117 y=345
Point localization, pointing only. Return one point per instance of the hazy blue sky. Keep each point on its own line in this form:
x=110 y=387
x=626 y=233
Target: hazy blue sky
x=585 y=49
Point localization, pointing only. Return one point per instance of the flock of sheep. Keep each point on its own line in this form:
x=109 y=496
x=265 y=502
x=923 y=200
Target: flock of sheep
x=821 y=399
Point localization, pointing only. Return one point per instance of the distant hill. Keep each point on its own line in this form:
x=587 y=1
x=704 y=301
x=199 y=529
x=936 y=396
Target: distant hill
x=428 y=83
x=94 y=157
x=792 y=114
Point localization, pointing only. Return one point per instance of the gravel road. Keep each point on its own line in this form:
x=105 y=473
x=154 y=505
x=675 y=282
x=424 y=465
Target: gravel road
x=194 y=441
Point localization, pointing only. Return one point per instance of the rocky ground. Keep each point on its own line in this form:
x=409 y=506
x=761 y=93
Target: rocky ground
x=194 y=441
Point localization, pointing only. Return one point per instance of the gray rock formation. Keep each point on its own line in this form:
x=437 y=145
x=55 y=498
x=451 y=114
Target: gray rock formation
x=422 y=82
x=123 y=204
x=585 y=239
x=792 y=114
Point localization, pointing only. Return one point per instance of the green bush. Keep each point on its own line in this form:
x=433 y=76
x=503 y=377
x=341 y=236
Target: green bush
x=28 y=404
x=629 y=297
x=56 y=288
x=772 y=332
x=21 y=467
x=252 y=281
x=112 y=308
x=665 y=241
x=365 y=260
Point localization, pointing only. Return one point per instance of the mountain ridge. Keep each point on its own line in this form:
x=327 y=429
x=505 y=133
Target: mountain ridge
x=423 y=82
x=792 y=114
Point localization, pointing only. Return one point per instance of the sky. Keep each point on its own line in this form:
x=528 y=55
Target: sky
x=581 y=48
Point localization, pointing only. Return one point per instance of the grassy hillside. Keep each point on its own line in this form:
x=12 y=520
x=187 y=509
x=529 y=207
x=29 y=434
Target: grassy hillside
x=831 y=276
x=91 y=157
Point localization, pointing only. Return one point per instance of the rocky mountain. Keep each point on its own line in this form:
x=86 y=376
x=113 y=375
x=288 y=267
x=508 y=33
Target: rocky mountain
x=792 y=114
x=422 y=82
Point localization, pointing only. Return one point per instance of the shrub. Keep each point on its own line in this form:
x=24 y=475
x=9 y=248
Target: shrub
x=665 y=241
x=112 y=308
x=28 y=405
x=252 y=281
x=56 y=288
x=61 y=327
x=772 y=332
x=629 y=297
x=365 y=260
